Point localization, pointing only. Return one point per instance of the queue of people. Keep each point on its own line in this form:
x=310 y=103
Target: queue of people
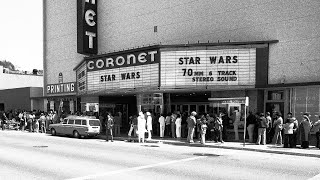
x=32 y=121
x=275 y=130
x=262 y=128
x=176 y=125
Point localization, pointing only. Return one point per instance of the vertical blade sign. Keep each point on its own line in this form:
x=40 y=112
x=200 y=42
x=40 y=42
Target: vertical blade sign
x=87 y=35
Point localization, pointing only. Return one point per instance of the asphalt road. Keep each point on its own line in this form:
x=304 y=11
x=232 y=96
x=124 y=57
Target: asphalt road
x=40 y=156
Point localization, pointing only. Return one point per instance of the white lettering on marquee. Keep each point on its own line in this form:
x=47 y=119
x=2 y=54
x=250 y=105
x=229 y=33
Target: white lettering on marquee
x=92 y=1
x=142 y=57
x=130 y=59
x=89 y=65
x=91 y=36
x=89 y=17
x=121 y=59
x=99 y=63
x=109 y=62
x=152 y=53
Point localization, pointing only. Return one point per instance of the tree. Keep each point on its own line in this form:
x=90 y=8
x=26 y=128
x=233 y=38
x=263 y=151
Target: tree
x=7 y=64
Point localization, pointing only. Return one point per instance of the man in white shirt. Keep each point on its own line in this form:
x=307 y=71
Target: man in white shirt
x=162 y=123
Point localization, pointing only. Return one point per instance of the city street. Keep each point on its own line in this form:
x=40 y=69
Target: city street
x=42 y=156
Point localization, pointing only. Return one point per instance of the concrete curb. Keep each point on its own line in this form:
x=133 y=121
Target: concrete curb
x=219 y=146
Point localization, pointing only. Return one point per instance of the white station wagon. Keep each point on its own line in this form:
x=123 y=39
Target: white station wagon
x=76 y=126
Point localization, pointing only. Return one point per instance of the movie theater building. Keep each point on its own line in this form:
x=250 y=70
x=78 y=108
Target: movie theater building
x=164 y=56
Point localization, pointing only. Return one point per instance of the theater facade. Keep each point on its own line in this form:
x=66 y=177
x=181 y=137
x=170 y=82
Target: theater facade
x=204 y=56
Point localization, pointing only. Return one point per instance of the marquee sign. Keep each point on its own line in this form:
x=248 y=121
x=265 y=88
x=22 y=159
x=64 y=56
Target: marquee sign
x=234 y=67
x=87 y=36
x=125 y=71
x=124 y=60
x=124 y=78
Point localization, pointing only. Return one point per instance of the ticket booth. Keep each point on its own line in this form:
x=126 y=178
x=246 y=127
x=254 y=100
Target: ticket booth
x=236 y=110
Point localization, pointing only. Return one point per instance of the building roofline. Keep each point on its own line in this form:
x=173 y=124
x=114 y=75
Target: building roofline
x=176 y=46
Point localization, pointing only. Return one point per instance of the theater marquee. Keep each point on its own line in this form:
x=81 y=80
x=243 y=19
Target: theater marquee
x=124 y=71
x=235 y=67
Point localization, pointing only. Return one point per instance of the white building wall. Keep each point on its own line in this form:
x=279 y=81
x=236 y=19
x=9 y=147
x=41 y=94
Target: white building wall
x=125 y=24
x=12 y=81
x=61 y=41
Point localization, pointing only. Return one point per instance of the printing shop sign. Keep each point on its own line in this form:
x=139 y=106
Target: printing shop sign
x=224 y=67
x=124 y=70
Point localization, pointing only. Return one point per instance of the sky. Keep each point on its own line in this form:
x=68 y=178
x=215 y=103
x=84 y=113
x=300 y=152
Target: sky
x=21 y=33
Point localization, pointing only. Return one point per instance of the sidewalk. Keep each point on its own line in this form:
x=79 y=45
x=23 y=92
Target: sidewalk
x=269 y=148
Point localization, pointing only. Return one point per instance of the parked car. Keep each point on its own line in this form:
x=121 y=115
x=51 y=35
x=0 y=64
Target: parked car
x=76 y=126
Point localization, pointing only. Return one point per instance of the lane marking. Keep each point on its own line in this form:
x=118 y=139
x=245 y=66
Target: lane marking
x=317 y=177
x=135 y=168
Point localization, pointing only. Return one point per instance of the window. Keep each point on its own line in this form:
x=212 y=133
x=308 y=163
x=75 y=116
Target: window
x=94 y=123
x=70 y=121
x=77 y=121
x=82 y=74
x=84 y=122
x=82 y=85
x=65 y=121
x=276 y=95
x=306 y=99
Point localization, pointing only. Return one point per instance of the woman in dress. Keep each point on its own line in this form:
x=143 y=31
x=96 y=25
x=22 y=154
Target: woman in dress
x=304 y=129
x=149 y=125
x=178 y=126
x=141 y=127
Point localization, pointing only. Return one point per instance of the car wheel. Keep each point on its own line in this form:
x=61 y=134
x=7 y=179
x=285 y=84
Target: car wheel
x=76 y=134
x=53 y=132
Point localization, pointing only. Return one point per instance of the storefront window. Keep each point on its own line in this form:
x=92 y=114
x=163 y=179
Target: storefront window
x=276 y=95
x=150 y=102
x=306 y=99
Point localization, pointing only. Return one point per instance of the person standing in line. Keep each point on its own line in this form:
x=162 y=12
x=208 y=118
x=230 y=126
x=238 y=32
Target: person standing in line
x=203 y=129
x=36 y=125
x=288 y=133
x=295 y=130
x=43 y=123
x=236 y=123
x=269 y=127
x=184 y=128
x=168 y=125
x=191 y=125
x=3 y=119
x=173 y=128
x=109 y=126
x=141 y=127
x=218 y=126
x=162 y=122
x=149 y=125
x=316 y=125
x=178 y=126
x=30 y=122
x=251 y=122
x=133 y=127
x=23 y=121
x=277 y=124
x=304 y=129
x=155 y=124
x=225 y=120
x=20 y=116
x=55 y=117
x=293 y=137
x=262 y=126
